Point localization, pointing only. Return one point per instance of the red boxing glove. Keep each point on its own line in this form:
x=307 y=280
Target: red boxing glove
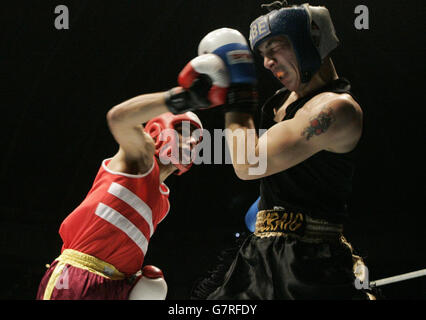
x=205 y=81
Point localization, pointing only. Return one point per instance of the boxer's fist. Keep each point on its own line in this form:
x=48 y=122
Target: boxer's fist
x=231 y=46
x=150 y=286
x=203 y=84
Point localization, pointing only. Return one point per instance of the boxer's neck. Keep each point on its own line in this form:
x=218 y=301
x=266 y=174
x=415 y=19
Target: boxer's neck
x=165 y=170
x=322 y=77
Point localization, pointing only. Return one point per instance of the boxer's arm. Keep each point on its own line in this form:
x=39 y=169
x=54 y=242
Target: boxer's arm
x=334 y=126
x=203 y=81
x=237 y=125
x=125 y=123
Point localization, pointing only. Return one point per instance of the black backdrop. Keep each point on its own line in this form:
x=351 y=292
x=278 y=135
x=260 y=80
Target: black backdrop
x=57 y=86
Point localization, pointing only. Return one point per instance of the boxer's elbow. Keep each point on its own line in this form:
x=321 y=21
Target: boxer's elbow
x=249 y=172
x=116 y=115
x=242 y=173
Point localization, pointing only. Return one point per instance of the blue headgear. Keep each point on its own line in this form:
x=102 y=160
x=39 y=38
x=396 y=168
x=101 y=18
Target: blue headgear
x=308 y=28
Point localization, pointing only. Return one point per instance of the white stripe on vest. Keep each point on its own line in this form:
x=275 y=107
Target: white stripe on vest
x=117 y=219
x=134 y=201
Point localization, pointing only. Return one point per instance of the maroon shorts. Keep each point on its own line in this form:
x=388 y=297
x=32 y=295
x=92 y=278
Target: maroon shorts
x=77 y=276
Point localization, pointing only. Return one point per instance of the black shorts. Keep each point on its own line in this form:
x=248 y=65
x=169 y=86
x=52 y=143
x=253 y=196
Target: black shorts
x=283 y=267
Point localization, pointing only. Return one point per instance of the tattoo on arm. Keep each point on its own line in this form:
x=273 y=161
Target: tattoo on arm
x=319 y=124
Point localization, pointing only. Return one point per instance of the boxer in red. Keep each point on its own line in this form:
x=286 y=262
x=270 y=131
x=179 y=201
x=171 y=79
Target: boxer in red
x=106 y=237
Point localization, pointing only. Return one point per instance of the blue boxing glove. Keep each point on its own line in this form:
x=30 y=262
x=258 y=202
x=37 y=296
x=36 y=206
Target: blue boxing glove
x=231 y=46
x=251 y=215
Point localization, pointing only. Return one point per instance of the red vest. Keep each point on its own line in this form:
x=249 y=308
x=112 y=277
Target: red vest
x=118 y=217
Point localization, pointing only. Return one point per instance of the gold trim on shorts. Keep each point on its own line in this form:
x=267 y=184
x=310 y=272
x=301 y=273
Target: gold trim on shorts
x=82 y=261
x=281 y=223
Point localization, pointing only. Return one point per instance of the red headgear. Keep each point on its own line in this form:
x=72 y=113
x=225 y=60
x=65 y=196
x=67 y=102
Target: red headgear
x=163 y=145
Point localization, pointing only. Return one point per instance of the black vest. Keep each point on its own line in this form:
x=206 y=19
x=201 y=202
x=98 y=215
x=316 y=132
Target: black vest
x=319 y=186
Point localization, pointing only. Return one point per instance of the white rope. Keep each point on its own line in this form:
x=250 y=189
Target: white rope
x=398 y=278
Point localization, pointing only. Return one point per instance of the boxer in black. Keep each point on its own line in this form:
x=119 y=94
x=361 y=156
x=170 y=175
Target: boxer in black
x=313 y=125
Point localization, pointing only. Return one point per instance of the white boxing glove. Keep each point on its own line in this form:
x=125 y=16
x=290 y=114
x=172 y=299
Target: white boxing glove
x=232 y=47
x=150 y=286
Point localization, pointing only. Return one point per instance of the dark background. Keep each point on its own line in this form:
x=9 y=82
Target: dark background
x=57 y=86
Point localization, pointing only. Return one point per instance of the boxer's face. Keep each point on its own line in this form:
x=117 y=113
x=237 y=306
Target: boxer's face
x=280 y=58
x=187 y=141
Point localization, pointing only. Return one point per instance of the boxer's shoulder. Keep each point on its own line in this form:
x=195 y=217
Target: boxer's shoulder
x=339 y=103
x=335 y=118
x=122 y=163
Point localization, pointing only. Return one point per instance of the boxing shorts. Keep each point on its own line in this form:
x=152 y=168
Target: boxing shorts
x=291 y=256
x=78 y=276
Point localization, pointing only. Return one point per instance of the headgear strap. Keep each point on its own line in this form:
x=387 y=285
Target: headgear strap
x=275 y=5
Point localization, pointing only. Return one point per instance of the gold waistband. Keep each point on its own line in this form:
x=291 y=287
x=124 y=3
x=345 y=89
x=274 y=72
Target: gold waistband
x=82 y=261
x=271 y=223
x=92 y=264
